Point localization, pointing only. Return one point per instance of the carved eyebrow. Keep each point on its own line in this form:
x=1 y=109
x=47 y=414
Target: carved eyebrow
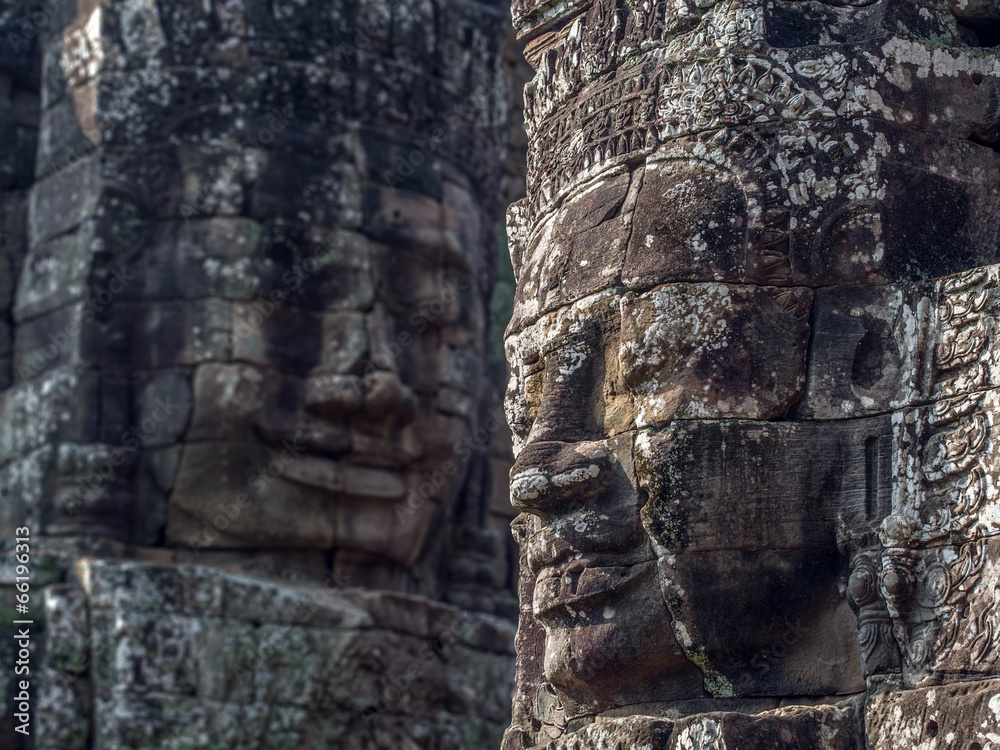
x=574 y=338
x=533 y=364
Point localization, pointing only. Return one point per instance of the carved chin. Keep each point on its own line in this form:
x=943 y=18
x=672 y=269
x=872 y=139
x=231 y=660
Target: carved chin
x=246 y=496
x=618 y=652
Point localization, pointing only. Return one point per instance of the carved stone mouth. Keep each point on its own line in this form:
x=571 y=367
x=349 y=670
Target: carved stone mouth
x=580 y=589
x=375 y=444
x=346 y=479
x=590 y=535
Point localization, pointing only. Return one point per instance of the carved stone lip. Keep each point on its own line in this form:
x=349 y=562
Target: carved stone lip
x=580 y=587
x=318 y=438
x=346 y=479
x=589 y=535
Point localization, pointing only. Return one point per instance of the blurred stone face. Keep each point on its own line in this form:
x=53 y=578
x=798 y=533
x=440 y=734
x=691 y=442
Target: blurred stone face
x=755 y=234
x=249 y=320
x=305 y=389
x=334 y=423
x=253 y=311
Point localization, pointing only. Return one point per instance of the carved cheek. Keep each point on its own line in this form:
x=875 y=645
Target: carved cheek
x=710 y=351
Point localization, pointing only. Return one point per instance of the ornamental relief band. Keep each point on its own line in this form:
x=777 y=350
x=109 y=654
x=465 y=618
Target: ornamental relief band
x=755 y=375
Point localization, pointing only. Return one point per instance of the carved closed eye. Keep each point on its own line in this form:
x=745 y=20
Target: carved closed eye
x=524 y=392
x=560 y=359
x=534 y=384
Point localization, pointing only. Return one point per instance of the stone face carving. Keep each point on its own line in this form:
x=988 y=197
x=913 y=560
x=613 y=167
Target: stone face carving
x=753 y=385
x=253 y=311
x=245 y=280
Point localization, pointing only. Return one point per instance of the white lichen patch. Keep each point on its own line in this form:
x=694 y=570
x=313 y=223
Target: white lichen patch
x=704 y=735
x=575 y=476
x=34 y=412
x=238 y=387
x=527 y=485
x=142 y=32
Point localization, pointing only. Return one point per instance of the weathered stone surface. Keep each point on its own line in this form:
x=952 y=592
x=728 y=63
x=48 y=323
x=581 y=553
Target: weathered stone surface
x=198 y=654
x=753 y=386
x=247 y=253
x=746 y=344
x=957 y=715
x=821 y=728
x=64 y=721
x=795 y=637
x=880 y=349
x=781 y=486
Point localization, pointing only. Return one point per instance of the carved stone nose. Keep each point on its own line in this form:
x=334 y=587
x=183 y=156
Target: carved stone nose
x=551 y=478
x=380 y=397
x=334 y=396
